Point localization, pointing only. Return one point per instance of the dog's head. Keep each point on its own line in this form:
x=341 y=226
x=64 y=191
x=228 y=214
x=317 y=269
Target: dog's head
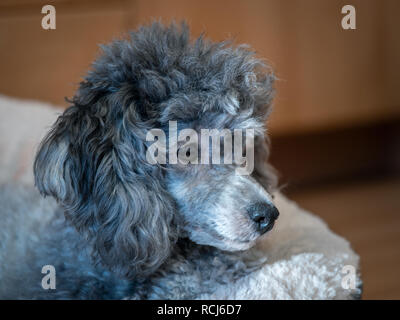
x=94 y=160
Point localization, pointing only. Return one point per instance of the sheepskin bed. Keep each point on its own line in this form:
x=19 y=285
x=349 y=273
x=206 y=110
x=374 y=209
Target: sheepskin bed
x=305 y=260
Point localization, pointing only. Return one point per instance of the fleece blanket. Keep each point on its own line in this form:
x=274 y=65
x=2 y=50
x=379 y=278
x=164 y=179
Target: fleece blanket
x=304 y=259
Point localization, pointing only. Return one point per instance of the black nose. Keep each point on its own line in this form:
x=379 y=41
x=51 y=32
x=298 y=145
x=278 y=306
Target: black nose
x=264 y=215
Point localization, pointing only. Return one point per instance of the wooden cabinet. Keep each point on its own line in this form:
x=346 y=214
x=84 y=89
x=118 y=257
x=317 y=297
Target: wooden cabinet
x=328 y=77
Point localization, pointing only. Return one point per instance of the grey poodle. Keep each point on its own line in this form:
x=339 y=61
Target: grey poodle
x=125 y=228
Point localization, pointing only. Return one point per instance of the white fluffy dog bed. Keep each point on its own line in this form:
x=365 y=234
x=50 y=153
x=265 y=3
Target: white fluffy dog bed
x=305 y=260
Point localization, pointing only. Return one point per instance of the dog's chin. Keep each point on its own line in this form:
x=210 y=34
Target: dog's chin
x=240 y=245
x=237 y=246
x=233 y=245
x=246 y=241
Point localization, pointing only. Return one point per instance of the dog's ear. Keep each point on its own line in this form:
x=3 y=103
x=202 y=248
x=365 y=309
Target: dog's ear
x=93 y=162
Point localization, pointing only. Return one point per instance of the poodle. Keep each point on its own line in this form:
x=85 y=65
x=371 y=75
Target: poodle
x=120 y=226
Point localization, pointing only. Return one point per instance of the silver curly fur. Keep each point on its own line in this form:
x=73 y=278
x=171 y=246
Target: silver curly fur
x=123 y=227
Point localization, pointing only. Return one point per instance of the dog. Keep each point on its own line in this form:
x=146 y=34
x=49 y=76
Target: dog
x=122 y=227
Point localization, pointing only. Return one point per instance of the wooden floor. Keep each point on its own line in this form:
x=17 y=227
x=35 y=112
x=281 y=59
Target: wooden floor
x=368 y=214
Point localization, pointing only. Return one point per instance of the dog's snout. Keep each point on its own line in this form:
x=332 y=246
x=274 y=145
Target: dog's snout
x=264 y=215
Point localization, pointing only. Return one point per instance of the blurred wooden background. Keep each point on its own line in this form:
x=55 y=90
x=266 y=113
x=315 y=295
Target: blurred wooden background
x=337 y=108
x=329 y=77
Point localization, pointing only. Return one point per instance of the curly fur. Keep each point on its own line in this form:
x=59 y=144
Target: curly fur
x=137 y=220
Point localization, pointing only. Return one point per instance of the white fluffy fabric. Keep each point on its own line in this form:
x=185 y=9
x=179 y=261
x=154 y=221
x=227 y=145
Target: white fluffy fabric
x=22 y=125
x=305 y=259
